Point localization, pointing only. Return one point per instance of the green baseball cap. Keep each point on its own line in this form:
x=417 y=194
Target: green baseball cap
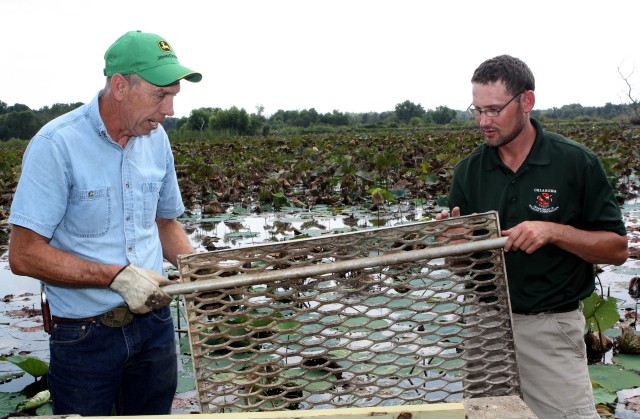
x=149 y=56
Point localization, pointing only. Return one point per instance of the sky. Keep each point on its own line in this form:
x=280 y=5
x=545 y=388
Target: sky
x=346 y=55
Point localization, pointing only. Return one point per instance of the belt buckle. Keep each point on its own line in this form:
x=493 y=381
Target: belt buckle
x=118 y=317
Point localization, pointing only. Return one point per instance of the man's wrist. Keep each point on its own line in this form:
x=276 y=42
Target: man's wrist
x=118 y=273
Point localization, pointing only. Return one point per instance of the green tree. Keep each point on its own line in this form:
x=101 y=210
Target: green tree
x=199 y=119
x=257 y=124
x=47 y=113
x=416 y=121
x=234 y=119
x=303 y=118
x=21 y=124
x=18 y=107
x=407 y=110
x=442 y=115
x=309 y=117
x=336 y=119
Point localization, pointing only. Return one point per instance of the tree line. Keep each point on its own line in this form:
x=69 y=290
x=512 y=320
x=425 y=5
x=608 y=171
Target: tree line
x=20 y=122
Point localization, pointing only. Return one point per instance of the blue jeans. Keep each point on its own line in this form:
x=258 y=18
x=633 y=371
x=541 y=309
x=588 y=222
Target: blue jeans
x=133 y=368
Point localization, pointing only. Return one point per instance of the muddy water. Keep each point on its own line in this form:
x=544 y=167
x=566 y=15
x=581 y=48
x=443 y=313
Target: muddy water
x=21 y=330
x=21 y=324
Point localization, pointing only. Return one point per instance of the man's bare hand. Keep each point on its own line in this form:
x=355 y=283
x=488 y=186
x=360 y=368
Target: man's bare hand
x=528 y=236
x=444 y=214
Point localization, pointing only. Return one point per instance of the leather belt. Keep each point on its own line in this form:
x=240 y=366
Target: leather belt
x=562 y=309
x=118 y=317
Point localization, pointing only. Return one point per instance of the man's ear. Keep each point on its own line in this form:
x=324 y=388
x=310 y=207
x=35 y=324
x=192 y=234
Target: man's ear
x=528 y=100
x=119 y=86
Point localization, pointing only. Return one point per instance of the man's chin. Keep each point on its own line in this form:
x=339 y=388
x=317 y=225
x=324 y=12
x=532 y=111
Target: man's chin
x=146 y=131
x=492 y=140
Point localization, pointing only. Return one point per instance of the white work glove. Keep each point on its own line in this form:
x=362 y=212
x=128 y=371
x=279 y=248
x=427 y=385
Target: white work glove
x=140 y=289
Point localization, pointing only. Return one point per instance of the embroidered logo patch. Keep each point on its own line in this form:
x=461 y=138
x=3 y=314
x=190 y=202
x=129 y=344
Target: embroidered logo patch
x=164 y=46
x=544 y=201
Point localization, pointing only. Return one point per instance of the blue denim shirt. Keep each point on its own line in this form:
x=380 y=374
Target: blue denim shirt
x=95 y=200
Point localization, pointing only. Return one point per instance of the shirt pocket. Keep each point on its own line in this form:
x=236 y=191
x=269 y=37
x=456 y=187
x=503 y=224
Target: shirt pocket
x=88 y=212
x=150 y=197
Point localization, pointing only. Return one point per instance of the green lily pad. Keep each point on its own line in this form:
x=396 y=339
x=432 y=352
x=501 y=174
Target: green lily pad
x=313 y=232
x=612 y=377
x=216 y=219
x=599 y=313
x=628 y=362
x=34 y=402
x=320 y=386
x=603 y=396
x=356 y=321
x=242 y=234
x=5 y=378
x=342 y=229
x=381 y=324
x=45 y=410
x=186 y=382
x=385 y=369
x=365 y=175
x=287 y=325
x=9 y=401
x=30 y=364
x=185 y=345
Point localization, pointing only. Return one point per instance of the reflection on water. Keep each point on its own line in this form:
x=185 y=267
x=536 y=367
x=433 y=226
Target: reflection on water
x=231 y=230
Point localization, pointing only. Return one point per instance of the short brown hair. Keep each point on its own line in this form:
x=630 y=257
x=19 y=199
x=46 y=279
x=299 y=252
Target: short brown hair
x=513 y=72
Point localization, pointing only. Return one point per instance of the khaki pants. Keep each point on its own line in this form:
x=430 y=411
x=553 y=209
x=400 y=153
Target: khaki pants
x=551 y=356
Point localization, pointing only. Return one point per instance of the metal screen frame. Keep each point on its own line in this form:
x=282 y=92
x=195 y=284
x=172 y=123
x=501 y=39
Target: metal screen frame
x=409 y=314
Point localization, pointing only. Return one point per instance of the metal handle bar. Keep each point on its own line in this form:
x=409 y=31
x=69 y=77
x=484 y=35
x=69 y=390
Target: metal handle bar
x=255 y=278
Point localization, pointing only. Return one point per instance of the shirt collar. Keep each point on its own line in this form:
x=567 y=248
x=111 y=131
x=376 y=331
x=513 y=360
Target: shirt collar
x=96 y=119
x=540 y=154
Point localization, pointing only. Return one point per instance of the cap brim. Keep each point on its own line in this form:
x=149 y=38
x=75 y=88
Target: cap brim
x=167 y=74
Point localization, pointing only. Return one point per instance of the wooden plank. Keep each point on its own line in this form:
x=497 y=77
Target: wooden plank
x=423 y=411
x=504 y=407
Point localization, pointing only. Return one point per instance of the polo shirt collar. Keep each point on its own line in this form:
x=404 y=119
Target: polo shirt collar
x=540 y=153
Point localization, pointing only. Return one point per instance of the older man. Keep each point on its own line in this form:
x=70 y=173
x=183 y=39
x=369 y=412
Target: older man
x=93 y=217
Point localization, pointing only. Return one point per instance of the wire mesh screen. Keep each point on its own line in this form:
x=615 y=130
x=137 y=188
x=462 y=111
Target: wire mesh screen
x=417 y=313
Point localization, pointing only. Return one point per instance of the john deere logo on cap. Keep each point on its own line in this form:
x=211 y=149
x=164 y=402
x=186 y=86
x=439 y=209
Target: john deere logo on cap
x=164 y=46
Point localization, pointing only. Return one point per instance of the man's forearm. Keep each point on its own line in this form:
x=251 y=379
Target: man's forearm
x=30 y=254
x=174 y=240
x=597 y=247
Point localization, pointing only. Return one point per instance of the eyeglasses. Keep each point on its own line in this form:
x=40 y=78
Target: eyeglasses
x=477 y=112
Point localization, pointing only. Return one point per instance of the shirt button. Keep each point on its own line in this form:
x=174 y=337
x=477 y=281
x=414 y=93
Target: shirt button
x=129 y=249
x=126 y=186
x=128 y=218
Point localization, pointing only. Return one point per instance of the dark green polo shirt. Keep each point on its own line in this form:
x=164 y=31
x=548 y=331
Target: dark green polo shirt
x=560 y=181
